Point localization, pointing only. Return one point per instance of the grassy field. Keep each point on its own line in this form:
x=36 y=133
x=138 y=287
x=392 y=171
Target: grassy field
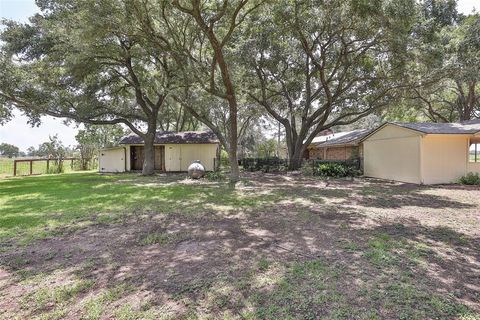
x=23 y=168
x=90 y=246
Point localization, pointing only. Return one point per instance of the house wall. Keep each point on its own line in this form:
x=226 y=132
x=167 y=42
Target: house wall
x=111 y=160
x=335 y=153
x=444 y=158
x=393 y=153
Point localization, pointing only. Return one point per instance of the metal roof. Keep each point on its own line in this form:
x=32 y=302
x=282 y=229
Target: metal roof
x=171 y=137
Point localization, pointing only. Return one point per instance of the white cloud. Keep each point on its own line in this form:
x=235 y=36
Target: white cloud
x=466 y=6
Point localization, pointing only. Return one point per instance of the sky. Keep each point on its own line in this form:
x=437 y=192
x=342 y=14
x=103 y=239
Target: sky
x=19 y=133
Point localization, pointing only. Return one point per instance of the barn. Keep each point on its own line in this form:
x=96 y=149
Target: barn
x=423 y=153
x=174 y=152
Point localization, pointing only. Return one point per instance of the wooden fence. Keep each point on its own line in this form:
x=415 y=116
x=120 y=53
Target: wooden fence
x=47 y=160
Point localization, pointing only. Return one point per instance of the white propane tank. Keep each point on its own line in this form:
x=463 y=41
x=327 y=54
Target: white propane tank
x=196 y=170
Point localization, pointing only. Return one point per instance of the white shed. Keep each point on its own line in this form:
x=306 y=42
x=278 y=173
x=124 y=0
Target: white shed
x=174 y=152
x=427 y=153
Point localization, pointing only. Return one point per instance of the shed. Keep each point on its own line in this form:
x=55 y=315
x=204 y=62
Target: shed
x=423 y=153
x=174 y=152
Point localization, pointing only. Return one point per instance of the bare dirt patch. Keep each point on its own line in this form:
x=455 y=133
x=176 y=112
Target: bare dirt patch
x=314 y=248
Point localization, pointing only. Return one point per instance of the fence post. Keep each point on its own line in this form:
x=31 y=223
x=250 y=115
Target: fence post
x=14 y=167
x=31 y=167
x=48 y=164
x=71 y=164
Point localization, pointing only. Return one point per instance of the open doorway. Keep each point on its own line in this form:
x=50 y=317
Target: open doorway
x=137 y=157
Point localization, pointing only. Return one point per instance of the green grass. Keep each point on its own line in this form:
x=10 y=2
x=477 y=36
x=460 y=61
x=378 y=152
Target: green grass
x=379 y=281
x=163 y=238
x=33 y=207
x=58 y=295
x=23 y=168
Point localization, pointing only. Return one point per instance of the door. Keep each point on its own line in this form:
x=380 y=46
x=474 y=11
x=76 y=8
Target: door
x=137 y=155
x=159 y=158
x=112 y=160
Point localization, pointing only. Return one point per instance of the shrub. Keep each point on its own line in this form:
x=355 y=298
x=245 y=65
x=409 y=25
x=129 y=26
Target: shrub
x=307 y=170
x=470 y=179
x=224 y=160
x=215 y=176
x=273 y=164
x=332 y=170
x=56 y=168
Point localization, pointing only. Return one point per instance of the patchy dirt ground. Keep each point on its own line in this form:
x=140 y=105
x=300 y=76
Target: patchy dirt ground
x=278 y=246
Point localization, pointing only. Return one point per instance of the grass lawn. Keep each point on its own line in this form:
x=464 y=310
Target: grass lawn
x=23 y=168
x=90 y=246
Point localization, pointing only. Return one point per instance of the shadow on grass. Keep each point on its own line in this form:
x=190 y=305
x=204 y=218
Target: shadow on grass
x=287 y=261
x=29 y=204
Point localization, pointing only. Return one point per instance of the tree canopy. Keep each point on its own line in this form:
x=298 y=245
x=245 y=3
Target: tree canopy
x=87 y=61
x=305 y=65
x=319 y=64
x=9 y=150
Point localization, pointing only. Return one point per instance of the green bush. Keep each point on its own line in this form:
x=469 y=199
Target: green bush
x=332 y=170
x=224 y=160
x=307 y=170
x=215 y=176
x=55 y=168
x=470 y=179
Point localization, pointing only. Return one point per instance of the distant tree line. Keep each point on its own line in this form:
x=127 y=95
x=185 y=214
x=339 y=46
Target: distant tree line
x=89 y=141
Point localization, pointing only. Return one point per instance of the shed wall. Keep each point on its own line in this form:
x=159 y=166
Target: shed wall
x=112 y=160
x=393 y=153
x=206 y=153
x=444 y=158
x=179 y=156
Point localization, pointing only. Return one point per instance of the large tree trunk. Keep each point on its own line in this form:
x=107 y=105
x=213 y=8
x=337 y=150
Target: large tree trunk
x=296 y=157
x=149 y=149
x=232 y=152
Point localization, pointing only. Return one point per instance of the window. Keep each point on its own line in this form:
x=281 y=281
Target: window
x=474 y=151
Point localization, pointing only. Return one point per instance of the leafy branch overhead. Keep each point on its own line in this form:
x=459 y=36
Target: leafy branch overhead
x=316 y=64
x=304 y=66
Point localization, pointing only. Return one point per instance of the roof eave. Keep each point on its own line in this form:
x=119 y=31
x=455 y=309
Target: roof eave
x=347 y=144
x=164 y=143
x=423 y=133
